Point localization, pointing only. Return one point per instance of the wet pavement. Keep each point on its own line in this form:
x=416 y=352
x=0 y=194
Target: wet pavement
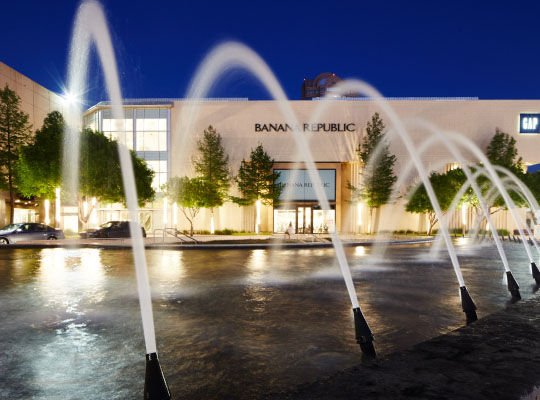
x=229 y=324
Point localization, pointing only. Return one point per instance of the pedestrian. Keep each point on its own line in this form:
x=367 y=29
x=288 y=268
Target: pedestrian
x=290 y=230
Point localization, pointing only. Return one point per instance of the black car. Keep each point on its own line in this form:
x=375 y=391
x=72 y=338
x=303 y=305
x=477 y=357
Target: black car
x=111 y=229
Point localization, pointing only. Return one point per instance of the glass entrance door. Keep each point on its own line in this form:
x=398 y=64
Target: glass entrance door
x=304 y=219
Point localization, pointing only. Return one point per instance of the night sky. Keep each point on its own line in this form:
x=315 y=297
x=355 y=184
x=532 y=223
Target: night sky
x=489 y=50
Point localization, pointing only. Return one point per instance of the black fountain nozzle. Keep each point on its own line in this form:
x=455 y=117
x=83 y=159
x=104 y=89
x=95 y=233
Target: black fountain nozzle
x=155 y=386
x=364 y=337
x=535 y=273
x=513 y=286
x=467 y=303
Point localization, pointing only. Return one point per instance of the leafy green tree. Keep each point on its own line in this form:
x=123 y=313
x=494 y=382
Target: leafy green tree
x=502 y=151
x=14 y=132
x=100 y=175
x=256 y=179
x=39 y=163
x=445 y=186
x=211 y=166
x=188 y=194
x=532 y=180
x=378 y=174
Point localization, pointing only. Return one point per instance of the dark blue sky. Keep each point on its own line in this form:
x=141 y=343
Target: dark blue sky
x=424 y=48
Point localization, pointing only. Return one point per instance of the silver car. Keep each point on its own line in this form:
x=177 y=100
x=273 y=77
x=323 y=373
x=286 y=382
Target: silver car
x=14 y=233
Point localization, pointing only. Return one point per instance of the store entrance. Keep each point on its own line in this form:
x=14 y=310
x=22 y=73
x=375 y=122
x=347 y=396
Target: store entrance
x=304 y=219
x=304 y=215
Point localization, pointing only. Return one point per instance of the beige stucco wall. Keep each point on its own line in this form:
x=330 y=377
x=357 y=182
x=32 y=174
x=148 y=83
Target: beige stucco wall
x=236 y=120
x=36 y=101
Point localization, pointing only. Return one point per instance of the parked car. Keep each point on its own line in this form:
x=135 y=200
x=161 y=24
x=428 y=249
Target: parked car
x=14 y=233
x=111 y=229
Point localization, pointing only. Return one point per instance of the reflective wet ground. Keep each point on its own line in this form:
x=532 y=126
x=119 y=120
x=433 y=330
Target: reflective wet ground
x=229 y=324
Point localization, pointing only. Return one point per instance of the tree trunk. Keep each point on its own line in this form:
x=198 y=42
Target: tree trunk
x=370 y=230
x=10 y=181
x=11 y=200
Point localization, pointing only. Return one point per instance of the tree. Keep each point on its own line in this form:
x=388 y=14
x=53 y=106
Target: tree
x=445 y=186
x=378 y=174
x=211 y=165
x=189 y=194
x=502 y=151
x=257 y=181
x=14 y=132
x=100 y=175
x=39 y=164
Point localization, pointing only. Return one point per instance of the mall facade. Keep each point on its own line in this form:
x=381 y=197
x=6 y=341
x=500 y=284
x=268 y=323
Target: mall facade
x=165 y=131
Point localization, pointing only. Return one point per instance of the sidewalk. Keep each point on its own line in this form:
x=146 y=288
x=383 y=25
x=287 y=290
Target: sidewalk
x=228 y=242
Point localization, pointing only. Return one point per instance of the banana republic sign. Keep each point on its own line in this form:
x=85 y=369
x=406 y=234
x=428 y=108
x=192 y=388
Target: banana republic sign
x=325 y=127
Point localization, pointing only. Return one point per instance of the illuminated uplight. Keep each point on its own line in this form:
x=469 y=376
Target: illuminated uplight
x=47 y=206
x=212 y=224
x=463 y=215
x=57 y=208
x=258 y=219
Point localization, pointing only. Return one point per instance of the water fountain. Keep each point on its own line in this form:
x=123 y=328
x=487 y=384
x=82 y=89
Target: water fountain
x=236 y=55
x=90 y=26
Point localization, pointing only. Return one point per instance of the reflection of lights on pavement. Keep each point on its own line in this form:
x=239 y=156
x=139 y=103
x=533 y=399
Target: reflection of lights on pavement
x=171 y=267
x=256 y=264
x=360 y=251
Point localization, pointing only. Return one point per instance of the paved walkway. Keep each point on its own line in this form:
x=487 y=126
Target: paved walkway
x=228 y=242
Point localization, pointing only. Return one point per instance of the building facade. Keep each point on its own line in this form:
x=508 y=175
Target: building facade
x=165 y=133
x=37 y=102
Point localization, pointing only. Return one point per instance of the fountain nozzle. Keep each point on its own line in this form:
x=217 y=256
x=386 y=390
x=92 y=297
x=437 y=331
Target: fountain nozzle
x=535 y=273
x=513 y=286
x=364 y=337
x=467 y=303
x=155 y=386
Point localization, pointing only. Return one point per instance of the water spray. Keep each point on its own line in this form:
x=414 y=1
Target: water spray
x=90 y=26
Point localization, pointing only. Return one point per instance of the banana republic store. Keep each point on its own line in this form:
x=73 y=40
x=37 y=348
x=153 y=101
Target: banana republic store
x=331 y=132
x=299 y=206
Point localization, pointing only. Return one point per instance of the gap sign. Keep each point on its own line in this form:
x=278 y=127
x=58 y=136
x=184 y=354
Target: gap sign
x=529 y=123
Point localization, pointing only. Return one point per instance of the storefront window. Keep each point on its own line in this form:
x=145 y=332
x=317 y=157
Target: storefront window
x=324 y=222
x=282 y=219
